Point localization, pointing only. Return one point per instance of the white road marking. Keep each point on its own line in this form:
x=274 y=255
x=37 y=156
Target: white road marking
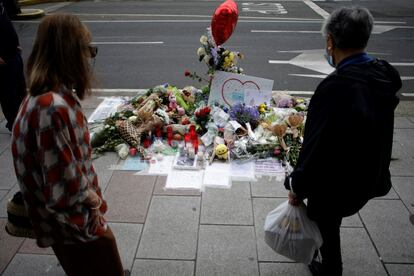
x=265 y=8
x=285 y=31
x=408 y=94
x=314 y=60
x=310 y=76
x=402 y=63
x=378 y=29
x=316 y=8
x=56 y=7
x=126 y=42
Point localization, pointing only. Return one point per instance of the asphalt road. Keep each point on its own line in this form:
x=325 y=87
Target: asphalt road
x=146 y=43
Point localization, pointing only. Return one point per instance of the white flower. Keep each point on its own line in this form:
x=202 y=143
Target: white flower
x=133 y=119
x=135 y=112
x=201 y=51
x=107 y=126
x=203 y=40
x=207 y=59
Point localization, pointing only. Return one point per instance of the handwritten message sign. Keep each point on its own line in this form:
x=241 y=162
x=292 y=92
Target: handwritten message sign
x=228 y=89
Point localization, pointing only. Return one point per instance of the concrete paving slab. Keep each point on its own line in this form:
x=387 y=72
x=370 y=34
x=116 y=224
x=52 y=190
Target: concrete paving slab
x=127 y=237
x=88 y=111
x=268 y=187
x=403 y=164
x=3 y=128
x=403 y=122
x=102 y=165
x=3 y=193
x=400 y=269
x=91 y=102
x=404 y=186
x=170 y=231
x=226 y=250
x=411 y=119
x=160 y=189
x=387 y=222
x=5 y=199
x=128 y=197
x=8 y=245
x=7 y=174
x=34 y=265
x=391 y=195
x=283 y=269
x=227 y=206
x=352 y=221
x=29 y=246
x=405 y=137
x=162 y=267
x=261 y=207
x=358 y=254
x=4 y=141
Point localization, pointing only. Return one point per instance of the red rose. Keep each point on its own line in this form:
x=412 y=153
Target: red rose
x=207 y=110
x=187 y=73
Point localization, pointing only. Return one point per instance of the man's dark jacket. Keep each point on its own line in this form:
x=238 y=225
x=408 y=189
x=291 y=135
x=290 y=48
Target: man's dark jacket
x=346 y=153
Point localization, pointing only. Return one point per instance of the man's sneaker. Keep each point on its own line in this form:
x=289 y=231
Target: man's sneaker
x=315 y=268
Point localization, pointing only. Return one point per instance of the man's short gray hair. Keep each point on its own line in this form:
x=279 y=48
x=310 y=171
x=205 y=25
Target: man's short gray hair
x=350 y=28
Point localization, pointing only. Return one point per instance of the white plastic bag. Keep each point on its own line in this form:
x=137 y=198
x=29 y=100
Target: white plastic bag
x=289 y=232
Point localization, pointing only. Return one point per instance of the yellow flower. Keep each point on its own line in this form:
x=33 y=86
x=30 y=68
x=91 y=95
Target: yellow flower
x=227 y=62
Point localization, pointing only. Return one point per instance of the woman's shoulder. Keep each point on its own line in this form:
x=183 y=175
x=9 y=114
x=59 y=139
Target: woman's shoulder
x=54 y=99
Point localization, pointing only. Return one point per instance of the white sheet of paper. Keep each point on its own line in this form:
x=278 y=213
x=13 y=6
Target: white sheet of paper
x=254 y=97
x=107 y=107
x=162 y=167
x=270 y=167
x=242 y=171
x=217 y=175
x=229 y=88
x=182 y=179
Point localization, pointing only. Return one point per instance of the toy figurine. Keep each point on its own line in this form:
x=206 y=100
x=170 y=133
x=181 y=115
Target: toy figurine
x=221 y=151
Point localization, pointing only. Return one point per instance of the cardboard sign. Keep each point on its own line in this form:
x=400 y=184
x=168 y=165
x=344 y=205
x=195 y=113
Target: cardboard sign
x=228 y=89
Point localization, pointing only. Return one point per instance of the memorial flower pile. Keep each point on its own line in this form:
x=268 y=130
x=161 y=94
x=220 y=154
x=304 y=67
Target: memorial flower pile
x=166 y=117
x=165 y=114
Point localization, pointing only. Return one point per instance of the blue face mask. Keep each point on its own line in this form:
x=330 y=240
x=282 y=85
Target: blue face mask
x=329 y=58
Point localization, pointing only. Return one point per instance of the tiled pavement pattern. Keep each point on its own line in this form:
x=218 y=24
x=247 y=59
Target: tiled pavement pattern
x=220 y=232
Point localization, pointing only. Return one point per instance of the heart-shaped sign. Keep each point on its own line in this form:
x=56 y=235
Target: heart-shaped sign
x=233 y=90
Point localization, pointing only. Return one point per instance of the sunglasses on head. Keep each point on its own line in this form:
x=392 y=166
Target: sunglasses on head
x=93 y=50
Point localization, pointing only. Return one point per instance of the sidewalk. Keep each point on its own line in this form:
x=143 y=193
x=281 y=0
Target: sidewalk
x=220 y=232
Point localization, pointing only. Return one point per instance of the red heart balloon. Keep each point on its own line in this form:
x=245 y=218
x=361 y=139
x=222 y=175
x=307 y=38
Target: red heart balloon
x=224 y=21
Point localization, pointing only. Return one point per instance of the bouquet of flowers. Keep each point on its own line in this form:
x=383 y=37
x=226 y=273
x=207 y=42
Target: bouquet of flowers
x=217 y=57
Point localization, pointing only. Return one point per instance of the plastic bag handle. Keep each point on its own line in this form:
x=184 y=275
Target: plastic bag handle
x=290 y=185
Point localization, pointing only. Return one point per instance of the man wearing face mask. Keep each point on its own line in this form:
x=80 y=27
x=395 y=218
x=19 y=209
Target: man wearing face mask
x=346 y=152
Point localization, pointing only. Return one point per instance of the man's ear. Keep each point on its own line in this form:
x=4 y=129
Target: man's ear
x=330 y=42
